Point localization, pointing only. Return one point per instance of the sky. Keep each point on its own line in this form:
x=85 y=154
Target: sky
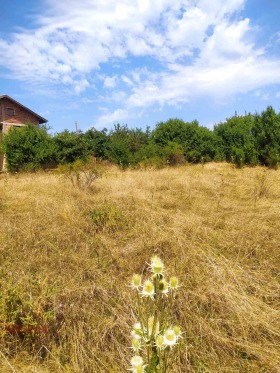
x=140 y=62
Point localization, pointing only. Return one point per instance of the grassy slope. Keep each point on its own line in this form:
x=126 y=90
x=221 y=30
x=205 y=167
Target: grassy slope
x=216 y=227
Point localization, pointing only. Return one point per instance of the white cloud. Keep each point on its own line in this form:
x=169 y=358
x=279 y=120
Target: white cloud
x=276 y=37
x=81 y=85
x=217 y=81
x=189 y=49
x=75 y=38
x=126 y=80
x=116 y=116
x=228 y=43
x=118 y=96
x=110 y=82
x=263 y=95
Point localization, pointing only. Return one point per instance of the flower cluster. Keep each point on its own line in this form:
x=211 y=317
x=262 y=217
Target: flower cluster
x=153 y=336
x=137 y=364
x=148 y=288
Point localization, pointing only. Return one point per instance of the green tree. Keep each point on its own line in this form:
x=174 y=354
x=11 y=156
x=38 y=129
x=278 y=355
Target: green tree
x=174 y=130
x=150 y=154
x=173 y=154
x=137 y=138
x=28 y=147
x=70 y=147
x=266 y=131
x=97 y=142
x=202 y=146
x=237 y=139
x=118 y=153
x=199 y=144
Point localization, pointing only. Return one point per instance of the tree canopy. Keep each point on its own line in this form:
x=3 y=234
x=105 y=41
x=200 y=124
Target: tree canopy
x=250 y=139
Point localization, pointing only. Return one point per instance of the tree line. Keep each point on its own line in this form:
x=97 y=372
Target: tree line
x=251 y=139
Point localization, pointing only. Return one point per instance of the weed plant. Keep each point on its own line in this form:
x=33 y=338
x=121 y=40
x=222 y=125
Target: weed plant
x=153 y=334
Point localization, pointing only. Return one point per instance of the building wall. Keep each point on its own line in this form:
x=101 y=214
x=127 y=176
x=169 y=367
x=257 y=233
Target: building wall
x=21 y=116
x=1 y=155
x=12 y=114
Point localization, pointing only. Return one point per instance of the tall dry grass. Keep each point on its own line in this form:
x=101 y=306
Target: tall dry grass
x=68 y=254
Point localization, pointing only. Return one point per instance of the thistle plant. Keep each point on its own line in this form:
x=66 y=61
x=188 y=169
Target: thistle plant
x=154 y=335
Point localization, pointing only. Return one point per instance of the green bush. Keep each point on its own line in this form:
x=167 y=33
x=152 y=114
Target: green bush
x=28 y=148
x=108 y=218
x=27 y=315
x=70 y=147
x=81 y=174
x=97 y=142
x=238 y=157
x=243 y=140
x=273 y=158
x=118 y=153
x=236 y=136
x=266 y=131
x=173 y=153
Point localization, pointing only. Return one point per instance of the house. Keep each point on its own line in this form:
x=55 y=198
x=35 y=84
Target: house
x=14 y=114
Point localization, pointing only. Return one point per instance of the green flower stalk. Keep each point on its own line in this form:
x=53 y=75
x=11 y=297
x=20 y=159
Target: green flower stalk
x=153 y=336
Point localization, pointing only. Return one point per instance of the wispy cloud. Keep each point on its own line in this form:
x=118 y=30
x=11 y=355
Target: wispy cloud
x=191 y=49
x=117 y=115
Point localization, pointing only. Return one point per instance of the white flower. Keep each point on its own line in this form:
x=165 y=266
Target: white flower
x=148 y=289
x=139 y=369
x=136 y=344
x=163 y=286
x=137 y=331
x=177 y=331
x=136 y=335
x=136 y=361
x=136 y=281
x=174 y=283
x=156 y=265
x=137 y=327
x=160 y=342
x=170 y=337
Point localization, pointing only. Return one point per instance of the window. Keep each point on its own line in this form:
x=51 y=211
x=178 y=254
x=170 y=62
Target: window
x=11 y=112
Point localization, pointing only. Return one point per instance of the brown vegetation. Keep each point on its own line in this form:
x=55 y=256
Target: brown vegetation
x=67 y=255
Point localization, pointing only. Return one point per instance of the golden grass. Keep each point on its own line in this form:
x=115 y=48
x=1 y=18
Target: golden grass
x=217 y=228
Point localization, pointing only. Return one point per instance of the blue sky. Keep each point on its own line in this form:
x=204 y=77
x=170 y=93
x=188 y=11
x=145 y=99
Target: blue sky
x=101 y=62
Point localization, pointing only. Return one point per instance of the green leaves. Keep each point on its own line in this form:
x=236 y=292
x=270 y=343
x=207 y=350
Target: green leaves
x=28 y=148
x=243 y=140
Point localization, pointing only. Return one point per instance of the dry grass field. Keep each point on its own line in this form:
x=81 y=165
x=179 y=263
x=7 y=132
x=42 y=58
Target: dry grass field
x=67 y=255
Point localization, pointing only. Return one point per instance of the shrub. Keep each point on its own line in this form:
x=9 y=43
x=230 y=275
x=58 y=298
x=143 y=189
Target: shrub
x=70 y=147
x=174 y=153
x=238 y=157
x=118 y=153
x=273 y=158
x=80 y=174
x=107 y=218
x=266 y=131
x=28 y=316
x=28 y=148
x=98 y=142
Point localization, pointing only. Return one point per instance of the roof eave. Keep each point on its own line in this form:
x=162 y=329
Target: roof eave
x=41 y=119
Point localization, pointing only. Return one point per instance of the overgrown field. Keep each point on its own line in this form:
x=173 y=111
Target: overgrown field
x=67 y=255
